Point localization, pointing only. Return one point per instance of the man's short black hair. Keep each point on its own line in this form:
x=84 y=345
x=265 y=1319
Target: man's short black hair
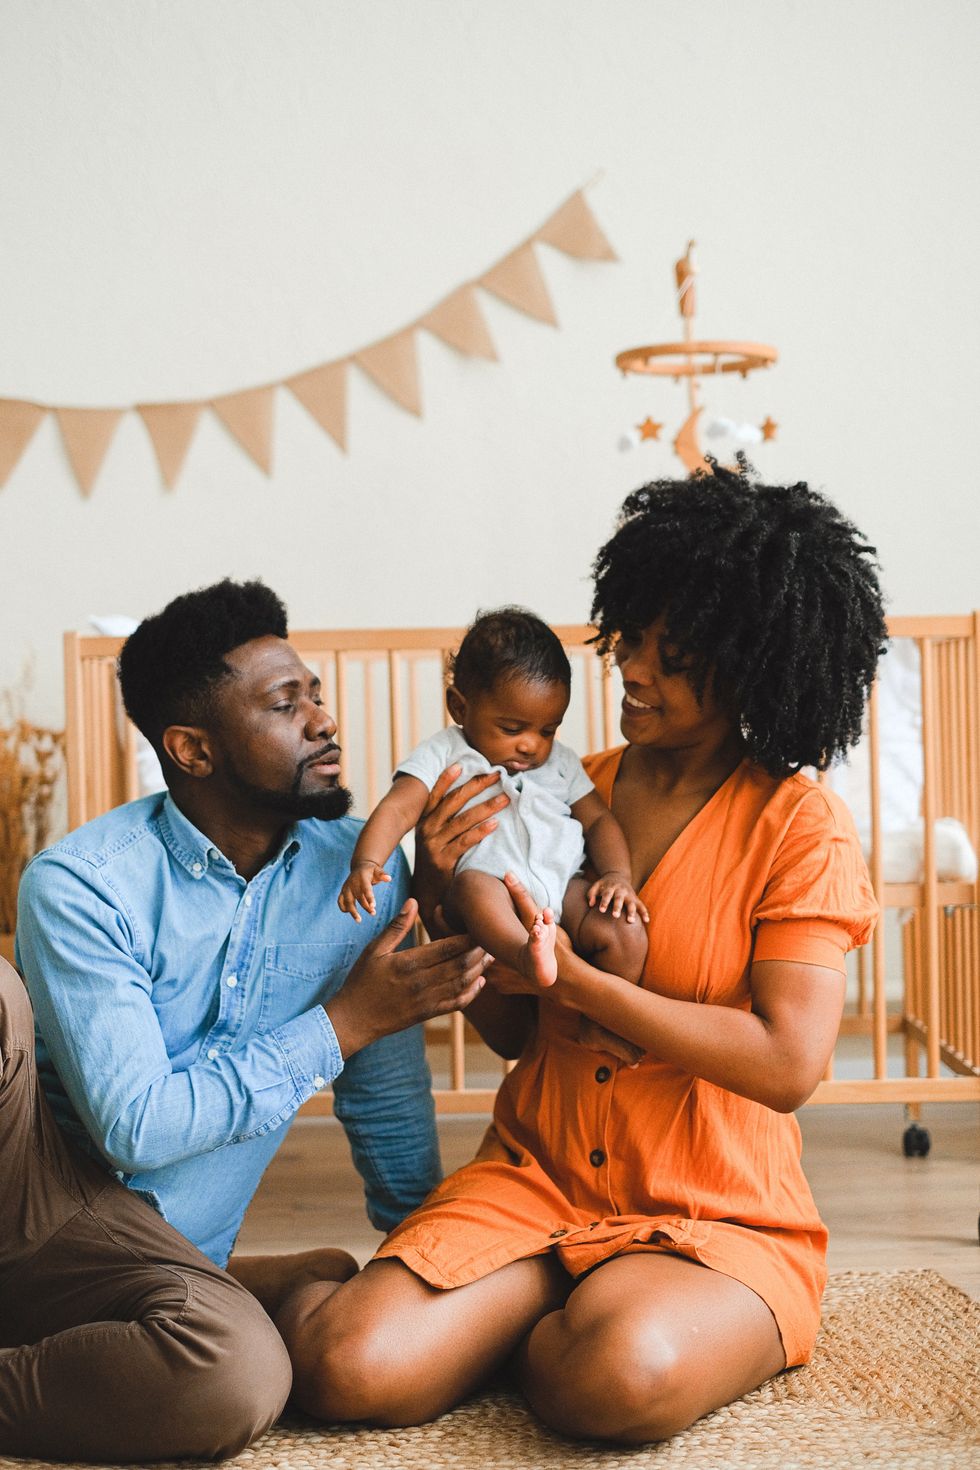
x=170 y=667
x=506 y=643
x=767 y=590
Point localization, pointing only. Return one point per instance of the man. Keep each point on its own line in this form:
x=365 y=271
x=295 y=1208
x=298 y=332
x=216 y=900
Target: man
x=194 y=983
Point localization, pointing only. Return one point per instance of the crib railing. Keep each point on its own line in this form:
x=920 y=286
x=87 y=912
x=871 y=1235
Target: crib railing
x=386 y=689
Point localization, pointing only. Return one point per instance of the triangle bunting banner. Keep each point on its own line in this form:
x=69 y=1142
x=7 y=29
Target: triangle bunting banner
x=18 y=420
x=459 y=322
x=87 y=433
x=323 y=393
x=394 y=365
x=575 y=230
x=248 y=417
x=517 y=279
x=171 y=428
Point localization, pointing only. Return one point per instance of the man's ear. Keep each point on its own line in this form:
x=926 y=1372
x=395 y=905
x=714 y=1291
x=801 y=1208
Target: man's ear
x=189 y=747
x=455 y=704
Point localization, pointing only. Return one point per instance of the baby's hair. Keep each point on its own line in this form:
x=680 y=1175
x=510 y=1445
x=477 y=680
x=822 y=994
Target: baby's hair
x=765 y=589
x=506 y=643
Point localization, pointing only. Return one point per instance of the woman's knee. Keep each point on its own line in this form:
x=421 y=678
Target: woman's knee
x=593 y=1384
x=364 y=1372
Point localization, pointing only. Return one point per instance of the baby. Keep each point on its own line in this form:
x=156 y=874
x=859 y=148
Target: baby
x=510 y=688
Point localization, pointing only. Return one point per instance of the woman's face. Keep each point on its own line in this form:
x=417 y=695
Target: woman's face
x=661 y=709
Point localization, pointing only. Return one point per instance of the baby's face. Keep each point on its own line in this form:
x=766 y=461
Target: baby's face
x=513 y=724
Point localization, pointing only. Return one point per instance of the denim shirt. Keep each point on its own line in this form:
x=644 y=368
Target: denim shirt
x=179 y=1014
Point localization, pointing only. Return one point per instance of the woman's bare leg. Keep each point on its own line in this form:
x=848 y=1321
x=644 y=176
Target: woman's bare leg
x=644 y=1346
x=388 y=1348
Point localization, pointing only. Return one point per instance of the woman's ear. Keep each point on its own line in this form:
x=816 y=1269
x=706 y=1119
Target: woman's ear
x=455 y=704
x=189 y=747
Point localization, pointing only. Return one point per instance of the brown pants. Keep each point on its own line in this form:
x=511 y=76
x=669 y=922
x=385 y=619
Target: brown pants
x=119 y=1340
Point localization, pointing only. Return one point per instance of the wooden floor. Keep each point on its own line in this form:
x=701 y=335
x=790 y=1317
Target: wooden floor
x=885 y=1212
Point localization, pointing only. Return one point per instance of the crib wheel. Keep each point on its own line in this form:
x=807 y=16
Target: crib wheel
x=916 y=1141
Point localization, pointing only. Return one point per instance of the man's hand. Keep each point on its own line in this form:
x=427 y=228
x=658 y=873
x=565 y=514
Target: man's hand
x=389 y=989
x=445 y=832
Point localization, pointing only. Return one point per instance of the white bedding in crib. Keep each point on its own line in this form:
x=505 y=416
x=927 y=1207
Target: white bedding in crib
x=900 y=744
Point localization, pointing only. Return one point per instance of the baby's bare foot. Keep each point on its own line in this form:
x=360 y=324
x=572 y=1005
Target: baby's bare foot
x=273 y=1278
x=538 y=962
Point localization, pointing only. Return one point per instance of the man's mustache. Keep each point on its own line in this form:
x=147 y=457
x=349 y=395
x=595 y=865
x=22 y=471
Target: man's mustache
x=329 y=752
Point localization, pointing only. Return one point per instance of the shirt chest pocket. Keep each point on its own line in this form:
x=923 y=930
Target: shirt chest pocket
x=298 y=976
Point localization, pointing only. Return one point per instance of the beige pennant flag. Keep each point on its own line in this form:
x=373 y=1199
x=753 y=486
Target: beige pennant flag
x=459 y=322
x=323 y=393
x=171 y=428
x=517 y=279
x=249 y=416
x=87 y=433
x=575 y=230
x=18 y=420
x=393 y=364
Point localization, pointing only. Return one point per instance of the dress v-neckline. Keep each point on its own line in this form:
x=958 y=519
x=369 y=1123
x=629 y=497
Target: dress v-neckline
x=658 y=867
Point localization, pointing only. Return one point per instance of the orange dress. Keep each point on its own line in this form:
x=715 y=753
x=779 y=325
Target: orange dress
x=590 y=1158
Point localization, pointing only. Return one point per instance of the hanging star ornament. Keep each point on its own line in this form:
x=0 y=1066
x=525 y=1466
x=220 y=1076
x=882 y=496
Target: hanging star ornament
x=689 y=361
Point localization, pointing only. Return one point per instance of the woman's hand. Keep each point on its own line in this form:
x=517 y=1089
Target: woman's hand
x=445 y=832
x=510 y=982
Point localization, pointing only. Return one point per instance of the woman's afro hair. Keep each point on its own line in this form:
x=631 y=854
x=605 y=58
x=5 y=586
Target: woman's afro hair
x=170 y=667
x=767 y=591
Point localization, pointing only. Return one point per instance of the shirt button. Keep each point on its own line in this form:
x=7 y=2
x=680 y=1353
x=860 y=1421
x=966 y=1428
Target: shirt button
x=319 y=1082
x=602 y=1074
x=212 y=1053
x=196 y=869
x=597 y=1157
x=232 y=981
x=248 y=900
x=556 y=1234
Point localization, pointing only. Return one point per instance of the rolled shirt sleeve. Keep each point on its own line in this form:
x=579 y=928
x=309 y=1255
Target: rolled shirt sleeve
x=92 y=1000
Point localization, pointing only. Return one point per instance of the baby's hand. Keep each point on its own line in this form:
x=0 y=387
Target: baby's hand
x=615 y=890
x=359 y=886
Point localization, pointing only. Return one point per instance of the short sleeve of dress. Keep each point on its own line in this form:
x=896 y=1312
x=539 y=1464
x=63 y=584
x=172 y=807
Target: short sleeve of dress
x=818 y=902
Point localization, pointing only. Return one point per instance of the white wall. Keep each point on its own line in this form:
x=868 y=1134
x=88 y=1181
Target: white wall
x=202 y=195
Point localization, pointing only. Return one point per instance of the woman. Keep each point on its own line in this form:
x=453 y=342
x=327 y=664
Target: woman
x=637 y=1235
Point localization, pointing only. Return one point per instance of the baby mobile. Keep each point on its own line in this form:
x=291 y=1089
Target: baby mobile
x=693 y=360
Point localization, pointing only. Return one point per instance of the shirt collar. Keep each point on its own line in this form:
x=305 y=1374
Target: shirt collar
x=196 y=853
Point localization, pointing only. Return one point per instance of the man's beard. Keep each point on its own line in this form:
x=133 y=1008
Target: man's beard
x=325 y=805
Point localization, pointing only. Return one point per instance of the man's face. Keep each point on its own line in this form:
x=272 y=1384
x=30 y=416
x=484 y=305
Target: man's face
x=273 y=739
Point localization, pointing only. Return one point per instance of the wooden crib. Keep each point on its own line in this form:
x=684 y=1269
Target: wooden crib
x=386 y=689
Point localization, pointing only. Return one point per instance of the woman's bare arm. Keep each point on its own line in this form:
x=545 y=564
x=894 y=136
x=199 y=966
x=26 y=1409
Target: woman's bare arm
x=774 y=1053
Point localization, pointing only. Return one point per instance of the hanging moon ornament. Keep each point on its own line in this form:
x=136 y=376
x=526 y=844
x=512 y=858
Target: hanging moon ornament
x=692 y=360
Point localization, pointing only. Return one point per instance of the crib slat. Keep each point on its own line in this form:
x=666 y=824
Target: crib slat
x=929 y=885
x=879 y=1008
x=395 y=706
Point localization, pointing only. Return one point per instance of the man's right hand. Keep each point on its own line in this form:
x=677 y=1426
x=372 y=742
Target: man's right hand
x=388 y=989
x=445 y=831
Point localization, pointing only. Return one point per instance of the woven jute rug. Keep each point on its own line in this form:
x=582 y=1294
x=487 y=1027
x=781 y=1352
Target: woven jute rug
x=894 y=1382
